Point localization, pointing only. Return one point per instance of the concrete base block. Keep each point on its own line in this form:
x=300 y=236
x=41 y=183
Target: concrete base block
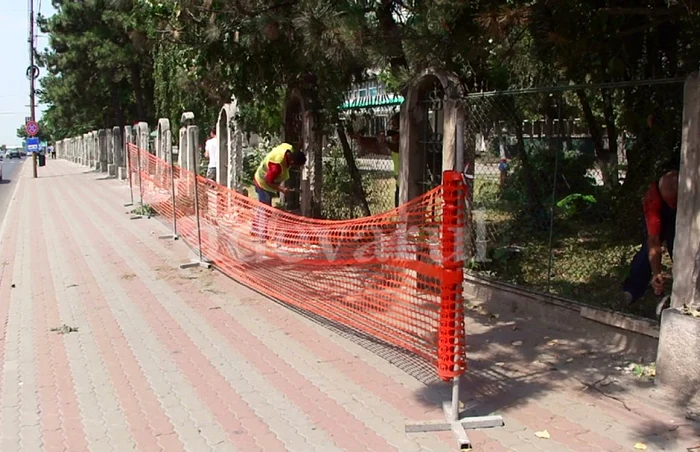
x=112 y=169
x=122 y=174
x=678 y=358
x=103 y=167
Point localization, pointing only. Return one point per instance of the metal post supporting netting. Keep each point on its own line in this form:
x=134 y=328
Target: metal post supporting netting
x=130 y=171
x=451 y=335
x=138 y=174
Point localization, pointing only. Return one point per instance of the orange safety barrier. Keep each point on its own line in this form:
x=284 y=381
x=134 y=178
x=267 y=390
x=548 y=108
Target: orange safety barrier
x=396 y=276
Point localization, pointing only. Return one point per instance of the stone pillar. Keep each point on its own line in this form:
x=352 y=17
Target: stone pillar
x=95 y=149
x=164 y=140
x=235 y=179
x=102 y=150
x=86 y=150
x=182 y=158
x=678 y=357
x=142 y=136
x=128 y=139
x=91 y=149
x=193 y=157
x=412 y=125
x=78 y=153
x=189 y=141
x=110 y=146
x=111 y=167
x=83 y=157
x=223 y=138
x=118 y=148
x=142 y=132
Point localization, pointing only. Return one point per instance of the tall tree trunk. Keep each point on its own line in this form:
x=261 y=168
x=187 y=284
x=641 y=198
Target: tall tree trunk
x=597 y=137
x=531 y=186
x=609 y=114
x=391 y=34
x=357 y=189
x=118 y=111
x=138 y=92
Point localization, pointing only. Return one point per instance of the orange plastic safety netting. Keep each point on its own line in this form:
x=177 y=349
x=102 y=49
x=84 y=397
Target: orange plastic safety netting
x=396 y=276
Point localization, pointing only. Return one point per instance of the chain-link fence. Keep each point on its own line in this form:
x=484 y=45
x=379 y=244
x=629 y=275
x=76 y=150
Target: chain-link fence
x=377 y=172
x=559 y=177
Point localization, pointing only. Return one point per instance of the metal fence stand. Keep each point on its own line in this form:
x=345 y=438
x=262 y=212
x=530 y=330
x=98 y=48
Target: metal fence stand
x=138 y=172
x=453 y=236
x=174 y=235
x=201 y=262
x=454 y=422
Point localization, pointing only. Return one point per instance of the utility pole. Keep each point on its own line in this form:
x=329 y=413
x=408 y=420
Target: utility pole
x=32 y=93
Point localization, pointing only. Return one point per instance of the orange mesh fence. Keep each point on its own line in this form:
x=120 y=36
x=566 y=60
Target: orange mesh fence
x=395 y=276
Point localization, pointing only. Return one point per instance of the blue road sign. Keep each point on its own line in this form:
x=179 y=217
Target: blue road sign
x=33 y=144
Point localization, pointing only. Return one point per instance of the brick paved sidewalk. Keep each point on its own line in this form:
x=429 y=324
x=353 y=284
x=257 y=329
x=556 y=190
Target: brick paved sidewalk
x=169 y=359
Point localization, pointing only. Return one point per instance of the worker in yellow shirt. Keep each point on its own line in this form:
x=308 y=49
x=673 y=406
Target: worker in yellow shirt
x=272 y=172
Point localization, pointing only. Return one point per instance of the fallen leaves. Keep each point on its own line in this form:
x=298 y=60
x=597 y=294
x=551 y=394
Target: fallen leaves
x=640 y=446
x=642 y=371
x=516 y=343
x=65 y=329
x=544 y=434
x=690 y=310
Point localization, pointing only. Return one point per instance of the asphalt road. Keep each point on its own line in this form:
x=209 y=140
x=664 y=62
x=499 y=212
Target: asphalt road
x=10 y=176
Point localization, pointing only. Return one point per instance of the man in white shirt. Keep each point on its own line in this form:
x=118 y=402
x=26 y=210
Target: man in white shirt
x=211 y=152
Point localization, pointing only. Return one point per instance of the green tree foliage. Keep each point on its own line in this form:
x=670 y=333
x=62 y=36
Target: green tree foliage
x=126 y=60
x=100 y=68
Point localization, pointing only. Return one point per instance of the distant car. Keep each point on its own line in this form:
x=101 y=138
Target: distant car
x=1 y=159
x=14 y=153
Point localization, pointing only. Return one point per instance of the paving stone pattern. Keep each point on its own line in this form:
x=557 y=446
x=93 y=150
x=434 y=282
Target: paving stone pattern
x=158 y=358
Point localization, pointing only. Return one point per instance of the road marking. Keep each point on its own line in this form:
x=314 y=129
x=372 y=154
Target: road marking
x=10 y=205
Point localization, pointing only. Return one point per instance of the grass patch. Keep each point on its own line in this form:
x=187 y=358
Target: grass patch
x=587 y=262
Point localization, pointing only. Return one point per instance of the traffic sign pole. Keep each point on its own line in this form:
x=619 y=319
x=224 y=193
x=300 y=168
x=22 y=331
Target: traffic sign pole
x=32 y=79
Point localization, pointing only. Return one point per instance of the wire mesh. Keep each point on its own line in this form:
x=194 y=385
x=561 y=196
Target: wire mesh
x=378 y=174
x=559 y=177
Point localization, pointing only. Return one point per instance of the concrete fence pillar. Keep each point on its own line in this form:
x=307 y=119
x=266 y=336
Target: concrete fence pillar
x=118 y=149
x=678 y=357
x=81 y=149
x=127 y=139
x=111 y=167
x=102 y=152
x=85 y=144
x=94 y=150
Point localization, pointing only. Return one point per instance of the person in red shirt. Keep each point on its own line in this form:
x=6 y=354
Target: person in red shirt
x=660 y=203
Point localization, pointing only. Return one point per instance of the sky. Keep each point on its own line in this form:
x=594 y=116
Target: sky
x=14 y=86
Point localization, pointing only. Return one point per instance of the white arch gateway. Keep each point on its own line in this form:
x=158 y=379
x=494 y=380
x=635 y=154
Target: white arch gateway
x=230 y=141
